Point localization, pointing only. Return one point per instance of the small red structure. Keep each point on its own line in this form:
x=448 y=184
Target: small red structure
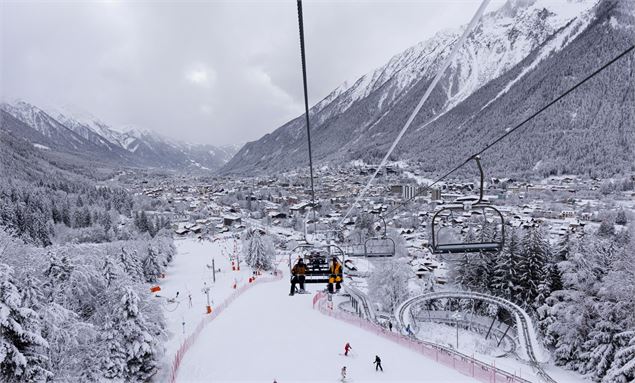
x=155 y=289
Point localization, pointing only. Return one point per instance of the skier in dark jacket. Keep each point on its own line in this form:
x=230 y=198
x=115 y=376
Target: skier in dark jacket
x=298 y=271
x=377 y=363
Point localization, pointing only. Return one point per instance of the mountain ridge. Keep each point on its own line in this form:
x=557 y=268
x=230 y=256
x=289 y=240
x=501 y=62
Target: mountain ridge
x=92 y=138
x=351 y=126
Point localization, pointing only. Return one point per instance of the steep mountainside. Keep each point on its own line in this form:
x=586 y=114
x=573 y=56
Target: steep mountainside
x=519 y=58
x=92 y=139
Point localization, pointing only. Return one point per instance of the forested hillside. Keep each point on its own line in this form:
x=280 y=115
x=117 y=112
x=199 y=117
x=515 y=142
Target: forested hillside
x=75 y=263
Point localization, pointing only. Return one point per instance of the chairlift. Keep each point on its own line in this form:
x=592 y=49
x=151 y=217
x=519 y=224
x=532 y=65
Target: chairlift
x=318 y=260
x=489 y=214
x=380 y=247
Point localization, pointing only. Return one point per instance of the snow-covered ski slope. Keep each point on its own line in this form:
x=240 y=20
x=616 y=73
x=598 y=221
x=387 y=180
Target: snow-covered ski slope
x=266 y=334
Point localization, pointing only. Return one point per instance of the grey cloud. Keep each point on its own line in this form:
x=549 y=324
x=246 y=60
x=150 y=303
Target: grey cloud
x=128 y=62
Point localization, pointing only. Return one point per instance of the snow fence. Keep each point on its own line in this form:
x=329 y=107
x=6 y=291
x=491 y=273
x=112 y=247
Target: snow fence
x=462 y=363
x=189 y=341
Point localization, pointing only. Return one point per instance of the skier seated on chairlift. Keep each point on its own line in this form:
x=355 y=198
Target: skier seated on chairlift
x=298 y=275
x=336 y=276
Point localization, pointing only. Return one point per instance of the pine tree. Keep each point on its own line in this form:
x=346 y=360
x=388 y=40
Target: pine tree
x=623 y=368
x=599 y=349
x=109 y=271
x=531 y=267
x=130 y=264
x=22 y=348
x=151 y=266
x=258 y=250
x=606 y=228
x=57 y=274
x=620 y=219
x=506 y=281
x=132 y=352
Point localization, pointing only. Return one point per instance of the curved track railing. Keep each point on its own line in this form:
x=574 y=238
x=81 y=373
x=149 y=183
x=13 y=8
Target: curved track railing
x=525 y=330
x=362 y=301
x=462 y=363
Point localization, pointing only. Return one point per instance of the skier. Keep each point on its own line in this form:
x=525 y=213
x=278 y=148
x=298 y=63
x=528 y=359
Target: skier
x=347 y=348
x=344 y=374
x=377 y=364
x=298 y=272
x=390 y=326
x=336 y=276
x=408 y=330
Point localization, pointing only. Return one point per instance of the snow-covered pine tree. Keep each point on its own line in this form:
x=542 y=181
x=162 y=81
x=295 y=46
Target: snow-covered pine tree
x=32 y=295
x=130 y=263
x=109 y=271
x=22 y=348
x=620 y=219
x=606 y=228
x=599 y=349
x=258 y=250
x=531 y=267
x=506 y=280
x=623 y=368
x=151 y=266
x=57 y=274
x=132 y=351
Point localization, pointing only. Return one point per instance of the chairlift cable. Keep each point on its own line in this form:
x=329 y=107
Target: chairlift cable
x=515 y=128
x=306 y=102
x=433 y=84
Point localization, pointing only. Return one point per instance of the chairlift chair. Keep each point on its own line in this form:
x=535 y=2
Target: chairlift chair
x=485 y=245
x=318 y=261
x=380 y=247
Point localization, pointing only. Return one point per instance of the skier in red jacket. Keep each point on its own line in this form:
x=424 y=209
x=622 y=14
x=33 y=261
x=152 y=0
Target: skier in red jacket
x=347 y=348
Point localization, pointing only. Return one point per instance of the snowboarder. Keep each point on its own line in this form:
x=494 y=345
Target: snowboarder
x=298 y=271
x=344 y=374
x=347 y=348
x=390 y=326
x=377 y=363
x=335 y=277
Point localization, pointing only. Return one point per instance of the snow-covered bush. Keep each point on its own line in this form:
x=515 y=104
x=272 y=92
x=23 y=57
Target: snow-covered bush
x=388 y=285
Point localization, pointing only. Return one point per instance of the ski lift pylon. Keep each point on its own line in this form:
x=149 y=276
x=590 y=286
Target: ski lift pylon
x=490 y=245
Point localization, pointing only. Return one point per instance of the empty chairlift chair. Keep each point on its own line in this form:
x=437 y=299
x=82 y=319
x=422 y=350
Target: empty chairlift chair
x=380 y=247
x=489 y=215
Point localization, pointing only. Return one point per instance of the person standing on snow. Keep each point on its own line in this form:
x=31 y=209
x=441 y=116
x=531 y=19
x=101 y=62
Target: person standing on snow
x=347 y=348
x=344 y=374
x=390 y=326
x=377 y=364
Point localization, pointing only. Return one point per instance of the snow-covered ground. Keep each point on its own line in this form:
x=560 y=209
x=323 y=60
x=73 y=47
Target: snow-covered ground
x=266 y=335
x=188 y=273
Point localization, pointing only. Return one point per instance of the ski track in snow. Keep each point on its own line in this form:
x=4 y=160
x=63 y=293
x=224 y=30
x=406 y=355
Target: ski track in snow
x=187 y=274
x=266 y=335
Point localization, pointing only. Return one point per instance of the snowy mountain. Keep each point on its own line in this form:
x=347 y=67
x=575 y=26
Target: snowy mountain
x=527 y=50
x=89 y=137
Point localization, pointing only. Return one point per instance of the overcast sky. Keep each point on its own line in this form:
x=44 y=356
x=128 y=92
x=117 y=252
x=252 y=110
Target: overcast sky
x=218 y=72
